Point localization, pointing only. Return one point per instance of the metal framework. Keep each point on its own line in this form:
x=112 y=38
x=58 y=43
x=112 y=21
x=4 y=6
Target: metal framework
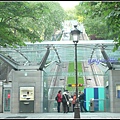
x=35 y=56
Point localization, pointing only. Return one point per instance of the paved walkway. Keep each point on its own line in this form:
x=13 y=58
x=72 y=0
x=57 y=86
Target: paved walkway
x=88 y=115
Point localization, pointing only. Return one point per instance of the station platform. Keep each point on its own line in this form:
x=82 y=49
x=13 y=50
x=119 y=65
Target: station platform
x=70 y=115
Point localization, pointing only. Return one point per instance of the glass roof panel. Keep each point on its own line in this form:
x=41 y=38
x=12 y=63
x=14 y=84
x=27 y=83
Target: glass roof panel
x=61 y=51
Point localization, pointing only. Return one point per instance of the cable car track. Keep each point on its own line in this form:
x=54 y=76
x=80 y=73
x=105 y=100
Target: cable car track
x=94 y=79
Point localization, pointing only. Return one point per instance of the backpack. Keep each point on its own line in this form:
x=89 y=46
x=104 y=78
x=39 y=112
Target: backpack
x=56 y=98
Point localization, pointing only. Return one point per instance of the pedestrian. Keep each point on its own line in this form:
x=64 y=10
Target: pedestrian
x=65 y=101
x=69 y=96
x=81 y=100
x=74 y=101
x=59 y=100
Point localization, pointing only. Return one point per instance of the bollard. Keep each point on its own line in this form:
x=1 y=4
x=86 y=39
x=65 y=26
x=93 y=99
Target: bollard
x=91 y=106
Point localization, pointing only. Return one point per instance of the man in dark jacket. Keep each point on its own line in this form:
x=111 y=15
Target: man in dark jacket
x=65 y=99
x=81 y=99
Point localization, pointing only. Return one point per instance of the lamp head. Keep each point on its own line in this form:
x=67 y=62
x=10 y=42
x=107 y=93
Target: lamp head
x=75 y=34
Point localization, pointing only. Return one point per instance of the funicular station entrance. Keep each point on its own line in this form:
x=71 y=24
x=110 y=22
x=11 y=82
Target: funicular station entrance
x=30 y=76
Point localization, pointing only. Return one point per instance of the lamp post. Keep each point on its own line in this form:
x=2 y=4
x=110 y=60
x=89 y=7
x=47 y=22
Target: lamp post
x=76 y=36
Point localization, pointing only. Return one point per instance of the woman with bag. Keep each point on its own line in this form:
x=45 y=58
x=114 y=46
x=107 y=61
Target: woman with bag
x=59 y=100
x=65 y=102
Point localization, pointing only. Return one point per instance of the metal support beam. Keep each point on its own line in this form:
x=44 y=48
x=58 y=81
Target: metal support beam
x=106 y=58
x=44 y=59
x=13 y=64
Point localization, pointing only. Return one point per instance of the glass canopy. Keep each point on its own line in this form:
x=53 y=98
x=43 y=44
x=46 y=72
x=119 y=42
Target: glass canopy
x=62 y=51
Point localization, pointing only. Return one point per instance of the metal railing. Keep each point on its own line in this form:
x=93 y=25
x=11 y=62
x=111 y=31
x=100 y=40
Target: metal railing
x=98 y=105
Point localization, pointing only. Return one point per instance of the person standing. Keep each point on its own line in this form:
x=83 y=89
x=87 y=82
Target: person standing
x=65 y=99
x=74 y=101
x=82 y=99
x=69 y=99
x=59 y=100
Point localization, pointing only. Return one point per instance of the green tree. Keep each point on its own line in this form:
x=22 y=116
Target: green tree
x=104 y=16
x=28 y=21
x=70 y=14
x=53 y=20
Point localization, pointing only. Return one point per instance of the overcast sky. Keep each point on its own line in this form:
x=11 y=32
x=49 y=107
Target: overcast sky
x=68 y=4
x=65 y=4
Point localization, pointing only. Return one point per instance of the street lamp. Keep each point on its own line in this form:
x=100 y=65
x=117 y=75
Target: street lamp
x=76 y=36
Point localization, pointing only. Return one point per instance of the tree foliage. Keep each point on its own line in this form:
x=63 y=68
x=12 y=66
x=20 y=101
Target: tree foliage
x=28 y=21
x=70 y=14
x=101 y=19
